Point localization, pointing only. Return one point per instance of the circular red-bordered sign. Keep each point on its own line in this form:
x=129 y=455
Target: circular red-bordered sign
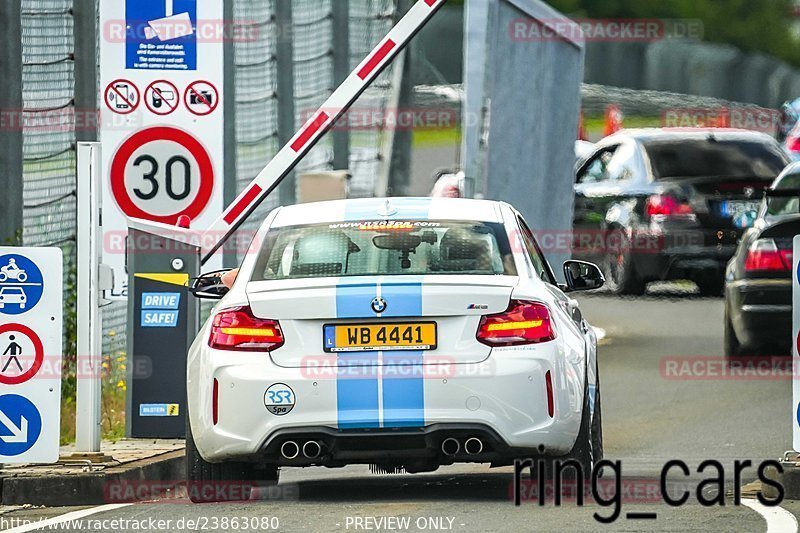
x=155 y=134
x=118 y=96
x=37 y=359
x=157 y=101
x=199 y=101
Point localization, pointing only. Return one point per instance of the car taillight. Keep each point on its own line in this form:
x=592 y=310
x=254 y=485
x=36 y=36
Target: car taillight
x=764 y=256
x=793 y=144
x=664 y=204
x=238 y=329
x=523 y=323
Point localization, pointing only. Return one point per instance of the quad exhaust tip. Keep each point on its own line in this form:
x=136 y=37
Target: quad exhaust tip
x=450 y=446
x=290 y=449
x=312 y=449
x=473 y=446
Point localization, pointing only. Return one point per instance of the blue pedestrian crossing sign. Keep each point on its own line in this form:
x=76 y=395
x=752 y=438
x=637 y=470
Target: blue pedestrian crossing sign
x=21 y=284
x=20 y=425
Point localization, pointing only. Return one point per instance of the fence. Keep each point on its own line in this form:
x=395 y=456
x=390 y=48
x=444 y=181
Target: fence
x=50 y=119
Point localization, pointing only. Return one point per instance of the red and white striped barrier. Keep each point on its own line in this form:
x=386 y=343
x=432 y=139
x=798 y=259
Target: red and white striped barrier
x=338 y=103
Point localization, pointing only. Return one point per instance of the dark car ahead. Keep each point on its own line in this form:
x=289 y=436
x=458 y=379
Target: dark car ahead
x=758 y=288
x=661 y=204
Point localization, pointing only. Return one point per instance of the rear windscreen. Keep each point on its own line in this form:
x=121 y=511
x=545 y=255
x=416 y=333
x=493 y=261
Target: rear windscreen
x=695 y=158
x=379 y=248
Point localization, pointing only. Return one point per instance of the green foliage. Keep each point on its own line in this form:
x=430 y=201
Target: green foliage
x=752 y=25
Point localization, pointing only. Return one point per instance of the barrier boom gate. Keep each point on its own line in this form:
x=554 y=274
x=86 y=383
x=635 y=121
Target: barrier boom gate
x=339 y=102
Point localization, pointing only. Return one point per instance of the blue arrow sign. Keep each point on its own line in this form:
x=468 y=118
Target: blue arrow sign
x=20 y=425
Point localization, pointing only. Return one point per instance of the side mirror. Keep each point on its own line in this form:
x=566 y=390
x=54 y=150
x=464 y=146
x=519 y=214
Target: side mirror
x=583 y=276
x=209 y=286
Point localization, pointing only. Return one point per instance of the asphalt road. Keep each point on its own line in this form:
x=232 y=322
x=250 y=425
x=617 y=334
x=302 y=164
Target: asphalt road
x=652 y=413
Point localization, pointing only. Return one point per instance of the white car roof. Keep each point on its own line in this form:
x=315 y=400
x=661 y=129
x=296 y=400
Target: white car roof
x=370 y=209
x=665 y=134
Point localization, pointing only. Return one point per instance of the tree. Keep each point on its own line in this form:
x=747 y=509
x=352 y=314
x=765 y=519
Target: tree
x=752 y=25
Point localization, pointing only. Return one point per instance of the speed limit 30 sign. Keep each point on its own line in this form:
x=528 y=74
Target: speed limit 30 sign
x=162 y=173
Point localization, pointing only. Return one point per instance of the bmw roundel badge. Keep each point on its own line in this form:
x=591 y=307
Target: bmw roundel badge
x=379 y=305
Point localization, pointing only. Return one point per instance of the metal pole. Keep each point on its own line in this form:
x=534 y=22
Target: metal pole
x=90 y=325
x=400 y=164
x=285 y=82
x=341 y=69
x=229 y=191
x=384 y=183
x=84 y=15
x=11 y=114
x=475 y=49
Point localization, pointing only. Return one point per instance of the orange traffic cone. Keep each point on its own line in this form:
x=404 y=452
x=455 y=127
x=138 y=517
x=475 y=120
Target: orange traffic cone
x=614 y=119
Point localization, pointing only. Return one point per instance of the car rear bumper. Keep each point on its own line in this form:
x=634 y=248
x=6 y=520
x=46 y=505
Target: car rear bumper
x=761 y=311
x=502 y=401
x=679 y=263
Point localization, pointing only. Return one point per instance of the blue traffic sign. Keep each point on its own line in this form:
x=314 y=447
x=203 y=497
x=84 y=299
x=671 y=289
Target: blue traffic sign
x=21 y=284
x=20 y=425
x=161 y=35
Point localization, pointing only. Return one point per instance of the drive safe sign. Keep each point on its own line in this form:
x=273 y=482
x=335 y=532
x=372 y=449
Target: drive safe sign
x=162 y=156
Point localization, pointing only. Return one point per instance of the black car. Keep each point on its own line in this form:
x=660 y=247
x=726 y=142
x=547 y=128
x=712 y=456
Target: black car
x=758 y=280
x=661 y=204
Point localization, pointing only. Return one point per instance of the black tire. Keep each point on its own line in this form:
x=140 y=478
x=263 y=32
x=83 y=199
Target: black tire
x=222 y=482
x=621 y=276
x=588 y=448
x=711 y=283
x=733 y=348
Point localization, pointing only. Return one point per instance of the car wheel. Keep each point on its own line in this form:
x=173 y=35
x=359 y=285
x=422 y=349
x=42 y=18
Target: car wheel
x=588 y=447
x=711 y=283
x=222 y=482
x=621 y=274
x=731 y=343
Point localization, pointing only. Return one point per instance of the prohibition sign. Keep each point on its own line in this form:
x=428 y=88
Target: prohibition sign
x=122 y=96
x=38 y=349
x=201 y=98
x=161 y=97
x=158 y=136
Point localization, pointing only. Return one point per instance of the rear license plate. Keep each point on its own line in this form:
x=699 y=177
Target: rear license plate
x=373 y=337
x=743 y=212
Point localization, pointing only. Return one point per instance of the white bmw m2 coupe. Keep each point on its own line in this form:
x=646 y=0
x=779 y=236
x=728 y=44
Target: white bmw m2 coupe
x=403 y=333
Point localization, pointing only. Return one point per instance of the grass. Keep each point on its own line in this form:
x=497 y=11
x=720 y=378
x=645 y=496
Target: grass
x=433 y=137
x=112 y=407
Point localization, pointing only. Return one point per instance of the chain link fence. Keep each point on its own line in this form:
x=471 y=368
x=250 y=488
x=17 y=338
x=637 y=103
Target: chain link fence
x=49 y=115
x=48 y=122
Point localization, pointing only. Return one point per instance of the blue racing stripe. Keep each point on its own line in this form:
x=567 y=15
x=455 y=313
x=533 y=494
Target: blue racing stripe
x=403 y=298
x=354 y=300
x=403 y=389
x=402 y=376
x=358 y=390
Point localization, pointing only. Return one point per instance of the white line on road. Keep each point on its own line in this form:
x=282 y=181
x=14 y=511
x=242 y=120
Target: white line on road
x=779 y=520
x=50 y=523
